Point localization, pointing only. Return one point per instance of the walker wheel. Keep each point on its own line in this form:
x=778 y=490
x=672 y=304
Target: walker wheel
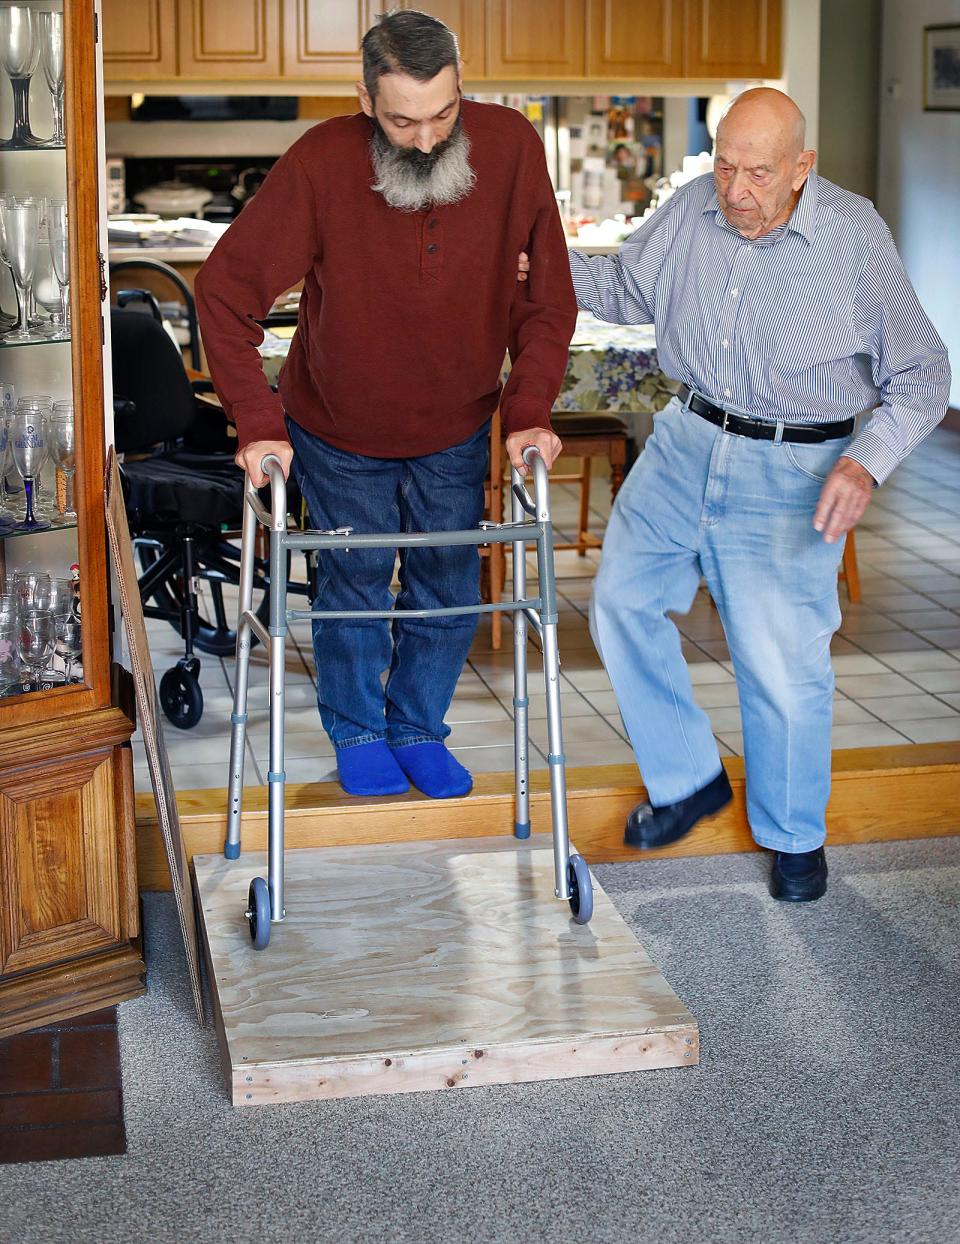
x=581 y=889
x=258 y=913
x=181 y=697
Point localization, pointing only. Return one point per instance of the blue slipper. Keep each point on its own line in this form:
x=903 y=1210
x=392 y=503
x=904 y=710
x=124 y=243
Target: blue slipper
x=433 y=770
x=370 y=769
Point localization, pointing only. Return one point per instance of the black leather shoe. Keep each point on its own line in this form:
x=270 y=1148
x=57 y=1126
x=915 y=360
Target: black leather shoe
x=799 y=878
x=648 y=826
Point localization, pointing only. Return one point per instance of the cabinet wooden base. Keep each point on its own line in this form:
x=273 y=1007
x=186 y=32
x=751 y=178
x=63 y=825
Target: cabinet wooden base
x=70 y=989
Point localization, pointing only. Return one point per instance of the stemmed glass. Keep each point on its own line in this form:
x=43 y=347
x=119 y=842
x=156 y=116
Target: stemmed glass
x=6 y=458
x=58 y=231
x=51 y=58
x=19 y=53
x=36 y=640
x=63 y=448
x=46 y=291
x=28 y=436
x=20 y=221
x=9 y=654
x=28 y=586
x=57 y=596
x=69 y=643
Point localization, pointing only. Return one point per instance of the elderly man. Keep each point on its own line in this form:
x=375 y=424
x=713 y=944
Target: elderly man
x=781 y=304
x=404 y=222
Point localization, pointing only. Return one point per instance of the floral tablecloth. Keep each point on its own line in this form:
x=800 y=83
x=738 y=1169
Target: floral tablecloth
x=611 y=367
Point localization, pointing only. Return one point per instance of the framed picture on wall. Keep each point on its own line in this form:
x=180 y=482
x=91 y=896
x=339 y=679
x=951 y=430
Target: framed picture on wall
x=941 y=68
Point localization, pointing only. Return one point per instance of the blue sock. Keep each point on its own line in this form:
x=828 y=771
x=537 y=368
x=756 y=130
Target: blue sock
x=370 y=769
x=432 y=769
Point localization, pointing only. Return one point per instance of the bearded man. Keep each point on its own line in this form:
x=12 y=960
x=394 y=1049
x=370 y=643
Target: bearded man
x=404 y=223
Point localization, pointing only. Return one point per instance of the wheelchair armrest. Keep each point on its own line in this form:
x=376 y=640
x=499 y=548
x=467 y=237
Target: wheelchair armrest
x=123 y=408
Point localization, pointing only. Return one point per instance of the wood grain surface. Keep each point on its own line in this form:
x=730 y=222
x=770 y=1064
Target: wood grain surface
x=428 y=965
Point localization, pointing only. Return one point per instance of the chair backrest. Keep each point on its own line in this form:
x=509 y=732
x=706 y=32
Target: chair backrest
x=148 y=371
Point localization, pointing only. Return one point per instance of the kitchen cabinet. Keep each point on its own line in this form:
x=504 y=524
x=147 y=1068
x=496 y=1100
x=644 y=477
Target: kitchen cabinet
x=321 y=38
x=530 y=39
x=68 y=898
x=227 y=39
x=465 y=19
x=635 y=39
x=732 y=39
x=139 y=39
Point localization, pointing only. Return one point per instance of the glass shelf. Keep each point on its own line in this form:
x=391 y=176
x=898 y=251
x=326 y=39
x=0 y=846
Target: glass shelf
x=44 y=531
x=34 y=341
x=32 y=150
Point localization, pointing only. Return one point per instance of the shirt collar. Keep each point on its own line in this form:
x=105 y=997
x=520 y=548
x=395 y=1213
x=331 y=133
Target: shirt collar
x=802 y=220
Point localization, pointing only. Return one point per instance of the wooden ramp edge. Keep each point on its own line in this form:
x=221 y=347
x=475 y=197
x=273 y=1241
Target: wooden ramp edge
x=428 y=966
x=879 y=794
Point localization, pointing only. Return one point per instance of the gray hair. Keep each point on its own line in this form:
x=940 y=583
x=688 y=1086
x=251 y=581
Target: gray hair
x=410 y=42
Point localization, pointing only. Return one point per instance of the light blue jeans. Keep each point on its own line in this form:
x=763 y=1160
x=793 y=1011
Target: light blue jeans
x=739 y=512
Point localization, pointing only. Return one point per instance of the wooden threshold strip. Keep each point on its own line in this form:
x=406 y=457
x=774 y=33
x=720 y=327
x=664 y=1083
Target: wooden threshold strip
x=879 y=794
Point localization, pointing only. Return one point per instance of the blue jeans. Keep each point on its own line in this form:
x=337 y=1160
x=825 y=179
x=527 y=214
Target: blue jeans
x=739 y=512
x=424 y=657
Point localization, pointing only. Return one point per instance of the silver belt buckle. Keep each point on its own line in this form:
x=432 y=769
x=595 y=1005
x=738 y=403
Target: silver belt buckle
x=726 y=420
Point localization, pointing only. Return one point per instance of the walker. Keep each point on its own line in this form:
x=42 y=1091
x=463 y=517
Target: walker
x=531 y=524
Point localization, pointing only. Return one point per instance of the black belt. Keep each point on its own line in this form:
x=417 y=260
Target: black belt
x=804 y=434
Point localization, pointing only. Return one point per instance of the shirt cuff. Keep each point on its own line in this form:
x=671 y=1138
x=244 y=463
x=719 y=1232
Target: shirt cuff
x=260 y=421
x=874 y=455
x=517 y=414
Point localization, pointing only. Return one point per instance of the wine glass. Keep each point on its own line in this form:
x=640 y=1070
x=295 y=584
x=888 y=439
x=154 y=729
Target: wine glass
x=46 y=291
x=36 y=640
x=57 y=596
x=50 y=34
x=28 y=437
x=19 y=53
x=9 y=654
x=58 y=232
x=6 y=460
x=63 y=449
x=69 y=643
x=27 y=585
x=20 y=224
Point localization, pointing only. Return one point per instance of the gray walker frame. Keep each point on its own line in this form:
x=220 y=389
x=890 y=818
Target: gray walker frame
x=531 y=524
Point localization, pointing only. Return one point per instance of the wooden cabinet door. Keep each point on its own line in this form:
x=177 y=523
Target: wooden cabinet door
x=535 y=38
x=465 y=19
x=62 y=890
x=321 y=38
x=229 y=38
x=732 y=39
x=634 y=38
x=139 y=39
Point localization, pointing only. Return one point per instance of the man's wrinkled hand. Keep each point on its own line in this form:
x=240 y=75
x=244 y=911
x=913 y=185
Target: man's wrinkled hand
x=250 y=456
x=547 y=442
x=845 y=495
x=523 y=266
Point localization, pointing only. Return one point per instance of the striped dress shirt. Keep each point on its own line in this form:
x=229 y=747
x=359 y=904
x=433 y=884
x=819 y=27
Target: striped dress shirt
x=814 y=322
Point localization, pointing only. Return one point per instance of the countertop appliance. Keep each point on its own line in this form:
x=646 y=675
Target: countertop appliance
x=174 y=198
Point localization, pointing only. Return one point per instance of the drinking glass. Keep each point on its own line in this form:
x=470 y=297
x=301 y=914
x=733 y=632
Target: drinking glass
x=46 y=291
x=63 y=449
x=9 y=655
x=6 y=460
x=20 y=225
x=27 y=585
x=57 y=596
x=28 y=437
x=7 y=321
x=57 y=230
x=69 y=643
x=36 y=639
x=19 y=53
x=9 y=607
x=50 y=32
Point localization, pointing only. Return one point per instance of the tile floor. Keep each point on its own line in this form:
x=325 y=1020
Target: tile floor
x=897 y=655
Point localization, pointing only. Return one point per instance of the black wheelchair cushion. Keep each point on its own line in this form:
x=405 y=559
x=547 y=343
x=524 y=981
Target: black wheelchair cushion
x=164 y=492
x=148 y=371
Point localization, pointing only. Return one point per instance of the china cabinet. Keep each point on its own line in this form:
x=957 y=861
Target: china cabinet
x=68 y=901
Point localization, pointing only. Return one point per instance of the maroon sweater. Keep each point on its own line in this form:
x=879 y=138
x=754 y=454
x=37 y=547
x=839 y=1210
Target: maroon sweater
x=405 y=317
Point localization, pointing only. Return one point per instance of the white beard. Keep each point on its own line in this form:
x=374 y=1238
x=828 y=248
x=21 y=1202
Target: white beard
x=411 y=181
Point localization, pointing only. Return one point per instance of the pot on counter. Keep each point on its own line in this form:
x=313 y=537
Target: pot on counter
x=174 y=198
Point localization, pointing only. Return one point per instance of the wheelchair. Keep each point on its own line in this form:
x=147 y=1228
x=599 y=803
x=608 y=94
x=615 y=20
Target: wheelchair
x=183 y=494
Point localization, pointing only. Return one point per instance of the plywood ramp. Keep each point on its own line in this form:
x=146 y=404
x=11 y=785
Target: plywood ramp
x=427 y=966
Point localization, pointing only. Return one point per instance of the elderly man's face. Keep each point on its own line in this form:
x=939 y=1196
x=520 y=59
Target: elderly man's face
x=758 y=176
x=415 y=114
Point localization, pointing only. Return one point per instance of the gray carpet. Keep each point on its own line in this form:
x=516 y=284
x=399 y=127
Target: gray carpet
x=825 y=1109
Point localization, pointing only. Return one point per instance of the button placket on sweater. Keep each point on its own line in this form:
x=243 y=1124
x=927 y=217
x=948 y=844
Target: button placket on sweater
x=431 y=247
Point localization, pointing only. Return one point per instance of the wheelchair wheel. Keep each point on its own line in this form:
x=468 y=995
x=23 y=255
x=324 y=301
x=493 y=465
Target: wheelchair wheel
x=181 y=698
x=218 y=566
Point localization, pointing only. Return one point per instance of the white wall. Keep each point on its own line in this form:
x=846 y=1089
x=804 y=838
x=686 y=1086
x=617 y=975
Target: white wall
x=918 y=169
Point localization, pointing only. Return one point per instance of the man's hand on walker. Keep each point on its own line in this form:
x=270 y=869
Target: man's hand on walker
x=523 y=266
x=845 y=495
x=250 y=456
x=547 y=442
